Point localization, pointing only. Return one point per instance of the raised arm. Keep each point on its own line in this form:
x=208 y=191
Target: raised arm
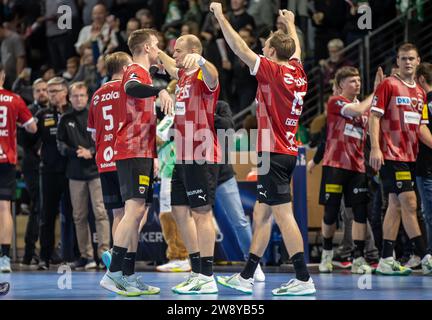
x=169 y=64
x=288 y=19
x=236 y=43
x=357 y=109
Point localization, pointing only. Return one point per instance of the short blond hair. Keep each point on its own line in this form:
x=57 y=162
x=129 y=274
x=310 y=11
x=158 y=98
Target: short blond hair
x=115 y=62
x=283 y=44
x=58 y=81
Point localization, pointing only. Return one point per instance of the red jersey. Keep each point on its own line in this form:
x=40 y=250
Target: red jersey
x=346 y=137
x=136 y=133
x=12 y=110
x=280 y=95
x=103 y=122
x=194 y=118
x=403 y=110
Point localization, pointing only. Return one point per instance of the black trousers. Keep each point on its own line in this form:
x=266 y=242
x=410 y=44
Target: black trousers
x=31 y=178
x=55 y=197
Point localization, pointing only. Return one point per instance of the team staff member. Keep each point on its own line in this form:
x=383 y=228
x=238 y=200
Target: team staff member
x=134 y=152
x=193 y=184
x=30 y=169
x=13 y=110
x=103 y=123
x=282 y=84
x=397 y=123
x=54 y=185
x=344 y=170
x=75 y=143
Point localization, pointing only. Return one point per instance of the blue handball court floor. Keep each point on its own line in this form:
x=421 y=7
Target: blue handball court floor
x=340 y=285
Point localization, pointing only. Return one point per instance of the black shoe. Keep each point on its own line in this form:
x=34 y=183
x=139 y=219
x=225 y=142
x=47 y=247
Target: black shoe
x=79 y=264
x=55 y=258
x=30 y=260
x=43 y=265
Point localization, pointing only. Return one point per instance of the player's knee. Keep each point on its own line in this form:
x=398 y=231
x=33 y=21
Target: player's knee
x=330 y=214
x=261 y=218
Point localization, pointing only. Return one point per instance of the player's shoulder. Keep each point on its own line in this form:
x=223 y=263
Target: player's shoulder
x=337 y=100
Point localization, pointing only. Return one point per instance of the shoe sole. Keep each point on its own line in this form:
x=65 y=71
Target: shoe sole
x=119 y=292
x=195 y=292
x=393 y=274
x=308 y=293
x=227 y=285
x=341 y=266
x=174 y=270
x=6 y=271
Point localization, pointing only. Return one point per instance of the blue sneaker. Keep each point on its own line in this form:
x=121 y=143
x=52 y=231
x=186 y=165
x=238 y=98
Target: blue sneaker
x=106 y=258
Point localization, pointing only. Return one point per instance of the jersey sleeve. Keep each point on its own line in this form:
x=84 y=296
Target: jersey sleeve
x=335 y=106
x=264 y=69
x=382 y=97
x=136 y=74
x=206 y=89
x=24 y=116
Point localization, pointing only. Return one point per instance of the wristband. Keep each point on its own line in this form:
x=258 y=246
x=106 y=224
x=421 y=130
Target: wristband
x=201 y=61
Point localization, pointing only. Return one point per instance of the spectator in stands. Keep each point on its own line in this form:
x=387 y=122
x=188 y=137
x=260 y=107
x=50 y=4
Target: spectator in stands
x=238 y=16
x=87 y=71
x=98 y=33
x=72 y=66
x=145 y=18
x=22 y=85
x=102 y=72
x=244 y=84
x=59 y=41
x=75 y=143
x=351 y=30
x=54 y=186
x=47 y=72
x=300 y=9
x=264 y=12
x=329 y=19
x=12 y=55
x=87 y=11
x=123 y=36
x=335 y=61
x=30 y=170
x=190 y=27
x=193 y=14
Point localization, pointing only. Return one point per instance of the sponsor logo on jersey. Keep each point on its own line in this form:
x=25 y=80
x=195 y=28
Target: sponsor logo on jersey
x=403 y=175
x=49 y=122
x=403 y=101
x=4 y=98
x=96 y=99
x=333 y=188
x=110 y=96
x=144 y=180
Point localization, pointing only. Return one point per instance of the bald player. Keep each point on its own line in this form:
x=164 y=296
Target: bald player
x=193 y=182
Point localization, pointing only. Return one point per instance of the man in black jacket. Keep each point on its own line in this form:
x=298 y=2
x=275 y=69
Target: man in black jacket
x=30 y=169
x=75 y=143
x=54 y=186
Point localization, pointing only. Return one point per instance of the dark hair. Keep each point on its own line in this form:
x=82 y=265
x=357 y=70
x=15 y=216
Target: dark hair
x=425 y=70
